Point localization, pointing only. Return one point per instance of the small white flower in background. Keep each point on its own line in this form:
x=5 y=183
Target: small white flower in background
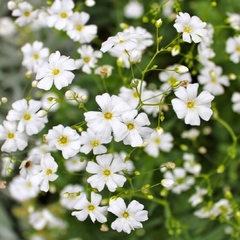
x=75 y=164
x=7 y=27
x=90 y=3
x=34 y=55
x=78 y=31
x=69 y=195
x=192 y=133
x=129 y=217
x=197 y=197
x=106 y=172
x=190 y=106
x=167 y=183
x=49 y=102
x=222 y=208
x=108 y=119
x=64 y=139
x=123 y=41
x=21 y=189
x=133 y=9
x=14 y=140
x=234 y=20
x=56 y=71
x=90 y=208
x=48 y=173
x=158 y=143
x=236 y=102
x=7 y=165
x=180 y=178
x=205 y=53
x=92 y=142
x=171 y=78
x=190 y=165
x=44 y=218
x=233 y=48
x=76 y=95
x=31 y=166
x=40 y=148
x=26 y=113
x=137 y=132
x=213 y=80
x=129 y=166
x=25 y=14
x=104 y=71
x=59 y=14
x=88 y=58
x=191 y=27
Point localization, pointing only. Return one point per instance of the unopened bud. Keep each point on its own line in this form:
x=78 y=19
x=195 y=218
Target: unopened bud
x=167 y=183
x=159 y=130
x=181 y=69
x=34 y=83
x=158 y=23
x=69 y=94
x=175 y=50
x=170 y=165
x=42 y=113
x=4 y=100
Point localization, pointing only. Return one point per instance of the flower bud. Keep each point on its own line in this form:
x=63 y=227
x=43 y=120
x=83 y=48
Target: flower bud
x=69 y=94
x=158 y=23
x=167 y=183
x=42 y=113
x=181 y=69
x=4 y=100
x=34 y=83
x=175 y=50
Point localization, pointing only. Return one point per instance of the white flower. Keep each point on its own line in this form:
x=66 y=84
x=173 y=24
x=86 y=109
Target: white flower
x=234 y=20
x=59 y=14
x=158 y=142
x=93 y=142
x=34 y=55
x=7 y=165
x=22 y=189
x=192 y=133
x=190 y=106
x=64 y=139
x=129 y=217
x=136 y=132
x=104 y=70
x=191 y=27
x=57 y=71
x=133 y=9
x=78 y=31
x=108 y=120
x=47 y=173
x=190 y=165
x=88 y=58
x=75 y=164
x=236 y=102
x=212 y=79
x=70 y=195
x=167 y=183
x=222 y=208
x=90 y=208
x=106 y=172
x=49 y=101
x=197 y=197
x=129 y=166
x=233 y=48
x=26 y=113
x=181 y=180
x=14 y=140
x=25 y=14
x=7 y=27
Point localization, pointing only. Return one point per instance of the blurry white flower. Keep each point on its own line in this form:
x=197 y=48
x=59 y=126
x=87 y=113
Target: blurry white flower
x=49 y=102
x=75 y=164
x=7 y=165
x=190 y=106
x=190 y=165
x=192 y=133
x=197 y=197
x=106 y=172
x=133 y=9
x=7 y=27
x=57 y=71
x=128 y=217
x=222 y=208
x=104 y=70
x=234 y=20
x=77 y=95
x=90 y=208
x=167 y=183
x=236 y=102
x=233 y=48
x=191 y=27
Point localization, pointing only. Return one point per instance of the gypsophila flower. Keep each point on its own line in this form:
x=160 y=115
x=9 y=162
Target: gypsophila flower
x=133 y=9
x=7 y=27
x=14 y=140
x=78 y=31
x=104 y=70
x=192 y=28
x=197 y=197
x=34 y=55
x=47 y=173
x=7 y=166
x=236 y=102
x=88 y=58
x=234 y=20
x=59 y=14
x=106 y=172
x=69 y=195
x=129 y=166
x=90 y=208
x=56 y=71
x=75 y=164
x=64 y=139
x=192 y=134
x=222 y=208
x=190 y=165
x=25 y=14
x=129 y=217
x=76 y=95
x=26 y=113
x=233 y=48
x=190 y=106
x=50 y=101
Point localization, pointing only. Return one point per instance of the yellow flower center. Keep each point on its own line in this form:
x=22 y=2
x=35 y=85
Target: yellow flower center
x=91 y=207
x=86 y=59
x=56 y=71
x=187 y=29
x=238 y=48
x=172 y=81
x=135 y=95
x=107 y=172
x=125 y=214
x=49 y=171
x=79 y=27
x=63 y=140
x=27 y=117
x=157 y=140
x=63 y=15
x=108 y=115
x=213 y=80
x=27 y=14
x=35 y=56
x=190 y=104
x=95 y=143
x=10 y=135
x=130 y=126
x=121 y=41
